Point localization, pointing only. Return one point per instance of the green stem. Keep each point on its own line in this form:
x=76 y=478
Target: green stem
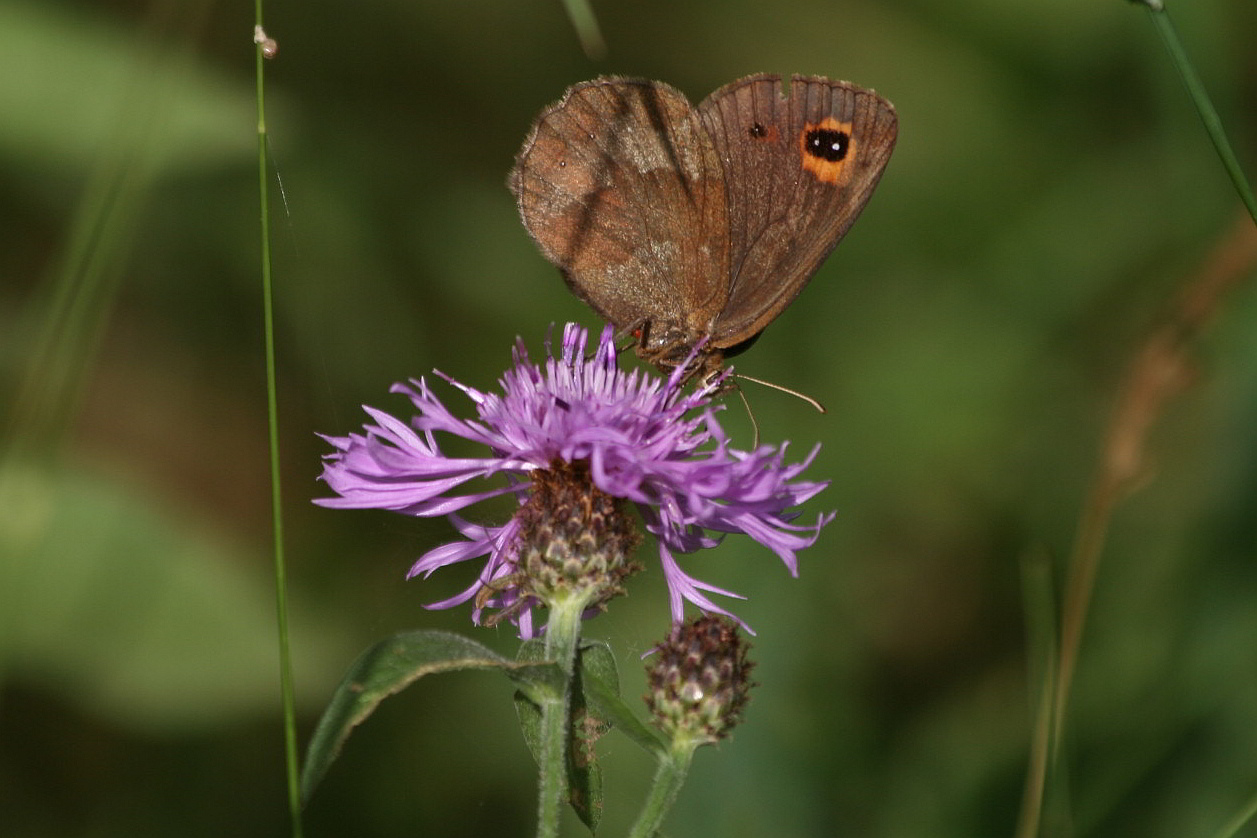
x=1200 y=97
x=562 y=636
x=272 y=412
x=1240 y=820
x=586 y=25
x=673 y=768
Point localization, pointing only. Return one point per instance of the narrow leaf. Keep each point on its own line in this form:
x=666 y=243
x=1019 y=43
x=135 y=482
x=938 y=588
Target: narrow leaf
x=603 y=696
x=388 y=667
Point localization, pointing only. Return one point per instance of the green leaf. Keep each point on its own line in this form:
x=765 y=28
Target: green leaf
x=598 y=661
x=596 y=666
x=584 y=771
x=527 y=706
x=391 y=665
x=584 y=775
x=601 y=679
x=595 y=709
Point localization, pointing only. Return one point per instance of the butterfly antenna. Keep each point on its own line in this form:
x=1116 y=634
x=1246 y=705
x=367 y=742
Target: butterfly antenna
x=750 y=415
x=820 y=408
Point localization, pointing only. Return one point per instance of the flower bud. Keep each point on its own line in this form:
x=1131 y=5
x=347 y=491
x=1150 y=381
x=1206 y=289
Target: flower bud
x=699 y=681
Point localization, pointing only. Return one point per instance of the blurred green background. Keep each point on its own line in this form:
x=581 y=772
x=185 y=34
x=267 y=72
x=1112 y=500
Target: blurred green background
x=1051 y=191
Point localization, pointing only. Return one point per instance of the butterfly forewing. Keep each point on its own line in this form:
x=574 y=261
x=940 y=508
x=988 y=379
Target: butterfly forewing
x=797 y=170
x=623 y=191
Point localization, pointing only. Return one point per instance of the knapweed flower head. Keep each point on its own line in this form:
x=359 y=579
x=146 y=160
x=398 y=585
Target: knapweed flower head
x=699 y=681
x=578 y=440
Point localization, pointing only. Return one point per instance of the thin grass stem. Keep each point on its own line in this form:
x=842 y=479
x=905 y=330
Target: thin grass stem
x=263 y=48
x=1200 y=98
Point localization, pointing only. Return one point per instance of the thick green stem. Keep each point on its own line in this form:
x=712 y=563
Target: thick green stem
x=673 y=768
x=562 y=636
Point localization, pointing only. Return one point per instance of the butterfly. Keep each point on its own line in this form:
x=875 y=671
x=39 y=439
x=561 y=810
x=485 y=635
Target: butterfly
x=693 y=228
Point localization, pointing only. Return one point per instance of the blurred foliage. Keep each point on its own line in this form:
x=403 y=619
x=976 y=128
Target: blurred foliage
x=1051 y=192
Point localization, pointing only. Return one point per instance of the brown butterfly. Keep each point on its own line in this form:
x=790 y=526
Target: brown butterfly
x=682 y=224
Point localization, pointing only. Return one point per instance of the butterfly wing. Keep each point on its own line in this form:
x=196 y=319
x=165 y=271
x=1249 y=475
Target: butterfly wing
x=798 y=170
x=621 y=188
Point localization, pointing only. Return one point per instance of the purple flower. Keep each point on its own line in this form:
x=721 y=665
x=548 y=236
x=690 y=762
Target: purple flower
x=635 y=437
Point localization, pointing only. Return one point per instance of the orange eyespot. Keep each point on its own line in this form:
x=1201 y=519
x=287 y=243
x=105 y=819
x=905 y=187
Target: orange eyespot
x=825 y=148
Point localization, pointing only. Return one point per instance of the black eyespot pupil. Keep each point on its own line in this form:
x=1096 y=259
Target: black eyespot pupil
x=828 y=144
x=758 y=130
